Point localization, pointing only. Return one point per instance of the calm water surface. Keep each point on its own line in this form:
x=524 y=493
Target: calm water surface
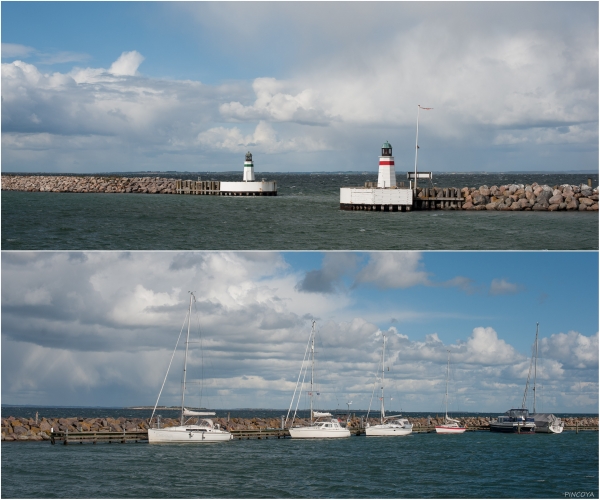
x=305 y=216
x=472 y=465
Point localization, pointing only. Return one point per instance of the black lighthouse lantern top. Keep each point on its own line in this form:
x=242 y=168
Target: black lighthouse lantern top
x=248 y=156
x=386 y=149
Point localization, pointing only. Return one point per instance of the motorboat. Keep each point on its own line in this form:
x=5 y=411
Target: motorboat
x=516 y=420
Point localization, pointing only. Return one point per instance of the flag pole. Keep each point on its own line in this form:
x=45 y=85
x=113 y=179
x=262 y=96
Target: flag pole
x=419 y=108
x=417 y=148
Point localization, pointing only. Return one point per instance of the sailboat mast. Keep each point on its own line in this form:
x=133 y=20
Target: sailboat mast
x=312 y=370
x=187 y=343
x=447 y=378
x=382 y=380
x=537 y=326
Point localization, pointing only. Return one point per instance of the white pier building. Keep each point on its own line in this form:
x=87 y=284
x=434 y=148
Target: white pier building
x=247 y=187
x=386 y=196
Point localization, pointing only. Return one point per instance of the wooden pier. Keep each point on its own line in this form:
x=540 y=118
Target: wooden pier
x=218 y=188
x=67 y=437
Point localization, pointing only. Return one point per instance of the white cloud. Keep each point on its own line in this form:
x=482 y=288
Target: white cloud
x=112 y=319
x=503 y=287
x=572 y=349
x=16 y=50
x=127 y=64
x=274 y=105
x=264 y=139
x=394 y=270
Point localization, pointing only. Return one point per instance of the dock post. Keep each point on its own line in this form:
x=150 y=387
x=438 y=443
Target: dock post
x=576 y=426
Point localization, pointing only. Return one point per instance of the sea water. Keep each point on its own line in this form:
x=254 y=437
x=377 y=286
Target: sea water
x=470 y=465
x=304 y=216
x=476 y=464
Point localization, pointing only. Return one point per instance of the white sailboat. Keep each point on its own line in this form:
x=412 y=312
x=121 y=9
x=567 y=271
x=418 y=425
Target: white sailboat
x=394 y=425
x=450 y=425
x=544 y=422
x=322 y=425
x=204 y=430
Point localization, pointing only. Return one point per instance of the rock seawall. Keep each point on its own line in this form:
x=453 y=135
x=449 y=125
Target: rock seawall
x=88 y=184
x=510 y=197
x=518 y=197
x=26 y=429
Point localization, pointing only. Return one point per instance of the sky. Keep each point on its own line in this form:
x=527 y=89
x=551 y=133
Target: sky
x=91 y=87
x=99 y=328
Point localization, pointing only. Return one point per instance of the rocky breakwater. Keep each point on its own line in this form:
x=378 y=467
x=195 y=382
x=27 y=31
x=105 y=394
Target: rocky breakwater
x=88 y=184
x=27 y=429
x=518 y=197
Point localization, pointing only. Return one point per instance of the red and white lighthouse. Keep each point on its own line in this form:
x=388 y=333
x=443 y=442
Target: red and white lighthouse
x=387 y=172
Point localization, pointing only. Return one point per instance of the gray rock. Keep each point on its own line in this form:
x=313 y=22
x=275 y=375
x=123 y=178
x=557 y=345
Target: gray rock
x=556 y=199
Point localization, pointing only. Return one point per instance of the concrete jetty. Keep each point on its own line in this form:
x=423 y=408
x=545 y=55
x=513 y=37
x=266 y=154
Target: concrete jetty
x=79 y=429
x=510 y=197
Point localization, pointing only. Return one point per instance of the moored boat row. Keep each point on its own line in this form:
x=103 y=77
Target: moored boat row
x=196 y=427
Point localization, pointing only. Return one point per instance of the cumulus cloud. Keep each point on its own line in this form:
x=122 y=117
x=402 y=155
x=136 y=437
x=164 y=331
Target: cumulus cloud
x=102 y=325
x=495 y=83
x=393 y=270
x=273 y=104
x=572 y=349
x=127 y=64
x=263 y=139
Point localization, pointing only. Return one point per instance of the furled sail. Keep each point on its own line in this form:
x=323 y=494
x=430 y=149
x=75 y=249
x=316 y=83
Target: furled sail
x=190 y=413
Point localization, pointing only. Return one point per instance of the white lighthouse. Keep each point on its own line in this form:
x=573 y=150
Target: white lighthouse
x=248 y=168
x=387 y=172
x=386 y=196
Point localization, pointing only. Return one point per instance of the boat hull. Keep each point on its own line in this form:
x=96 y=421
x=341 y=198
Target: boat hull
x=383 y=430
x=443 y=429
x=550 y=429
x=187 y=435
x=312 y=433
x=513 y=429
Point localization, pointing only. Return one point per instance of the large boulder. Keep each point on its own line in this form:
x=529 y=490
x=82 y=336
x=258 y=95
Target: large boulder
x=481 y=199
x=556 y=199
x=544 y=196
